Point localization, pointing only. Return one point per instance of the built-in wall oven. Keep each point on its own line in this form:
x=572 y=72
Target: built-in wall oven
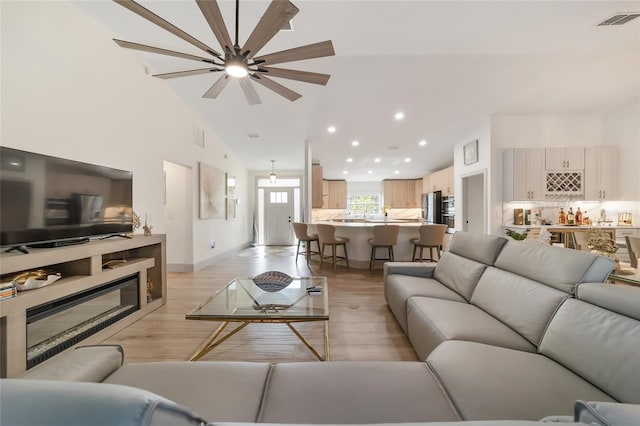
x=448 y=212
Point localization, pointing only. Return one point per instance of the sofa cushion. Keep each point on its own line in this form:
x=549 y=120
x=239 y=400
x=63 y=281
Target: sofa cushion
x=433 y=321
x=458 y=273
x=83 y=364
x=222 y=390
x=607 y=413
x=524 y=305
x=554 y=266
x=479 y=247
x=489 y=382
x=354 y=392
x=53 y=403
x=401 y=287
x=599 y=345
x=622 y=299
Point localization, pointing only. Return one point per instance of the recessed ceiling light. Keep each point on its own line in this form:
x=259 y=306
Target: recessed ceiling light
x=407 y=160
x=377 y=160
x=397 y=172
x=370 y=172
x=345 y=172
x=349 y=160
x=423 y=143
x=399 y=115
x=355 y=143
x=331 y=129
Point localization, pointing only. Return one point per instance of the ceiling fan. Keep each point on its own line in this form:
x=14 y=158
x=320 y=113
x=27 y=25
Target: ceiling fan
x=237 y=61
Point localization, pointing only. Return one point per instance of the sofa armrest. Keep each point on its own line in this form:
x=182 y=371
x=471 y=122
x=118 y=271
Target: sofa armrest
x=607 y=413
x=416 y=269
x=83 y=364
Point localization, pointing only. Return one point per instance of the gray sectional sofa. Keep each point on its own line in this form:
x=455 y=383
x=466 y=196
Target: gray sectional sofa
x=509 y=333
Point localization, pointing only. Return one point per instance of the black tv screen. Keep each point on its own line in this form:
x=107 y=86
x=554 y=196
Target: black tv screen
x=45 y=199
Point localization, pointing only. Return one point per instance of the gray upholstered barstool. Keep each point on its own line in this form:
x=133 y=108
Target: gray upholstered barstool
x=431 y=237
x=384 y=236
x=326 y=234
x=300 y=230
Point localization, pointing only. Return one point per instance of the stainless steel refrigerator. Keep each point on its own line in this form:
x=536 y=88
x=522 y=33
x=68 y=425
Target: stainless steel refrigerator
x=432 y=207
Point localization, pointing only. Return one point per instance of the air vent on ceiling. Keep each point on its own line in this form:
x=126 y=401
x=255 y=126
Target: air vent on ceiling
x=619 y=19
x=393 y=147
x=253 y=135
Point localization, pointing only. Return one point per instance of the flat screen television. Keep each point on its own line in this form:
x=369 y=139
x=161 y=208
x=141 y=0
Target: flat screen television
x=48 y=201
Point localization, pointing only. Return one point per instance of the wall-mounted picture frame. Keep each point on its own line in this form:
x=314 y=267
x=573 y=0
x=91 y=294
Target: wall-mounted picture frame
x=231 y=185
x=470 y=151
x=212 y=188
x=231 y=208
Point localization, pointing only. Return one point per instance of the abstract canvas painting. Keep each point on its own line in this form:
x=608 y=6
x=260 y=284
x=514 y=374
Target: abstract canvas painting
x=212 y=189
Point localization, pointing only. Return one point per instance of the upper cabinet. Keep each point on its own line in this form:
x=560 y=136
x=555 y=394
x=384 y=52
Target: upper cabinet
x=601 y=173
x=402 y=193
x=564 y=158
x=523 y=174
x=442 y=180
x=336 y=196
x=316 y=186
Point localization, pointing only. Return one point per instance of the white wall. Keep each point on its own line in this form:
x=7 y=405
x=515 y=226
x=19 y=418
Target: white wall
x=68 y=90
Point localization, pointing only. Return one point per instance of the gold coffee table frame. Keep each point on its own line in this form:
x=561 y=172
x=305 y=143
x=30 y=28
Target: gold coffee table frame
x=239 y=302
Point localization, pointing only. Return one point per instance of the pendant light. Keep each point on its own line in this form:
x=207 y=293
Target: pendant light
x=272 y=176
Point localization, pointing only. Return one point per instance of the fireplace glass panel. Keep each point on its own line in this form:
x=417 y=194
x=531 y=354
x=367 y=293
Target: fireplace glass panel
x=58 y=325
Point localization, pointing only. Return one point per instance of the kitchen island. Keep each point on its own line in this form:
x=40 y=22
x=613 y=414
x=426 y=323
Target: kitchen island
x=360 y=230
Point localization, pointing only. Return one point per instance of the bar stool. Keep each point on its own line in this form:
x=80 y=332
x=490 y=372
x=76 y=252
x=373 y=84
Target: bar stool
x=384 y=236
x=300 y=230
x=326 y=234
x=431 y=237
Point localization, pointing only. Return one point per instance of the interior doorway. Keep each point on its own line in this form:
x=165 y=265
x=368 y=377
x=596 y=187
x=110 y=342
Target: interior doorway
x=474 y=203
x=178 y=216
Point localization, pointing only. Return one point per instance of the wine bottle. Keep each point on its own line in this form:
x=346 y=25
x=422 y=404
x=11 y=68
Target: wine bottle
x=571 y=218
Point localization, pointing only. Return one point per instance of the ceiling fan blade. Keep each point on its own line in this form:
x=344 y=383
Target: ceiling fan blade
x=305 y=76
x=277 y=87
x=152 y=17
x=250 y=91
x=212 y=14
x=145 y=48
x=217 y=87
x=278 y=12
x=310 y=51
x=186 y=73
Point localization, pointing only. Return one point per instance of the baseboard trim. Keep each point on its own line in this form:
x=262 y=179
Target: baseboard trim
x=187 y=267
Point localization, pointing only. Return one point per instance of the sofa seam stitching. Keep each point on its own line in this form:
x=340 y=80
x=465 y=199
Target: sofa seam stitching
x=267 y=381
x=448 y=397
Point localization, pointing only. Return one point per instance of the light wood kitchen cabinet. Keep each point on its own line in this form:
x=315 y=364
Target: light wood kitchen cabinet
x=316 y=186
x=402 y=193
x=564 y=158
x=601 y=173
x=336 y=194
x=442 y=180
x=523 y=174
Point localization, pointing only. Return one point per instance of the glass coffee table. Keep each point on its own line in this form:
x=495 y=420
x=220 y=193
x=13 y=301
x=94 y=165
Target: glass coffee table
x=241 y=301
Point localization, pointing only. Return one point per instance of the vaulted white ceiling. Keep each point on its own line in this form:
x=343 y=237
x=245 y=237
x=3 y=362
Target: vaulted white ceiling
x=448 y=65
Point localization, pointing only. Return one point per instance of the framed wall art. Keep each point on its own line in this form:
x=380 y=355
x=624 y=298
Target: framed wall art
x=212 y=185
x=231 y=186
x=231 y=208
x=471 y=152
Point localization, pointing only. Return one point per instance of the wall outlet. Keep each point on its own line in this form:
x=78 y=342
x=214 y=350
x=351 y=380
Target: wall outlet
x=212 y=243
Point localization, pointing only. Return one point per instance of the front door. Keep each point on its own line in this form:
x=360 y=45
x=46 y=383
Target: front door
x=278 y=217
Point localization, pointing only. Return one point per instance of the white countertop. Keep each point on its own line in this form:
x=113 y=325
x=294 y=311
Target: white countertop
x=571 y=226
x=368 y=223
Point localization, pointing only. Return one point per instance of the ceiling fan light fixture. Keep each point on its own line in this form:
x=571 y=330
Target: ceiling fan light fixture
x=236 y=69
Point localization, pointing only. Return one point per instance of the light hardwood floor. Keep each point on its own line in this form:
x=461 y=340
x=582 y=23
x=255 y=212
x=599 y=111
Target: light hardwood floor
x=361 y=326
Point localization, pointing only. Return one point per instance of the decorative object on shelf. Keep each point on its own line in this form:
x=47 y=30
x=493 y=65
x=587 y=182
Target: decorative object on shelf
x=110 y=264
x=471 y=152
x=212 y=188
x=135 y=222
x=518 y=216
x=7 y=290
x=147 y=227
x=599 y=243
x=35 y=279
x=518 y=236
x=272 y=281
x=149 y=290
